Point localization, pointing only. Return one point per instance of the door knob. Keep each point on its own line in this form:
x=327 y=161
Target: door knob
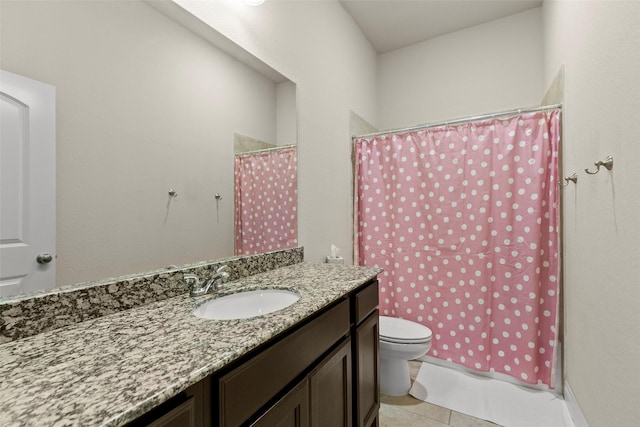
x=44 y=258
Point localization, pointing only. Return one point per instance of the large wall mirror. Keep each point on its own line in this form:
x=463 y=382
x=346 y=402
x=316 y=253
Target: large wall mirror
x=148 y=101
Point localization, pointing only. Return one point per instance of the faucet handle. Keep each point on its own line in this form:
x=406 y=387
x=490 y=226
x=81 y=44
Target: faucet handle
x=222 y=271
x=192 y=280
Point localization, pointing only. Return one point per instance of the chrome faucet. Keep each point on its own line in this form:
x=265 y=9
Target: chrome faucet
x=212 y=284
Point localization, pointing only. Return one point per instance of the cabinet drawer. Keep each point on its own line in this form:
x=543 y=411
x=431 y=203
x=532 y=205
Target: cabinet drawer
x=366 y=301
x=249 y=387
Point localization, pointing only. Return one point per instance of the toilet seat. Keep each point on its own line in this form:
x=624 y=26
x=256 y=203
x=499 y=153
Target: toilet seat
x=402 y=331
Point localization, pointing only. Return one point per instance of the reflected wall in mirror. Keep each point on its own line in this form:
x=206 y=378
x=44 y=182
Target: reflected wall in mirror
x=144 y=105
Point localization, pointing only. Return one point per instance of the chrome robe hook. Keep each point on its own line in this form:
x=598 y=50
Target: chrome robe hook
x=607 y=163
x=573 y=178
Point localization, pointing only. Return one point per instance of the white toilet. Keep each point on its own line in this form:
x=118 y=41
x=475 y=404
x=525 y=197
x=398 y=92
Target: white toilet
x=400 y=341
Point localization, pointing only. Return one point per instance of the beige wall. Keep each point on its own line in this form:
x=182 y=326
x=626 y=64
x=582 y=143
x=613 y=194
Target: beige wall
x=336 y=71
x=482 y=69
x=143 y=106
x=286 y=113
x=318 y=46
x=597 y=41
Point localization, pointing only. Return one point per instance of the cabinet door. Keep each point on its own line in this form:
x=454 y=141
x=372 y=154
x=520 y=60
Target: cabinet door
x=191 y=408
x=367 y=393
x=290 y=411
x=330 y=389
x=182 y=416
x=374 y=421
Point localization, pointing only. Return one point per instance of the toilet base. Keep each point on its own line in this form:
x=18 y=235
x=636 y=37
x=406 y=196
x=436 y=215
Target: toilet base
x=394 y=377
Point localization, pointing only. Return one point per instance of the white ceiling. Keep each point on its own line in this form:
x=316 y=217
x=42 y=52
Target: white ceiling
x=392 y=24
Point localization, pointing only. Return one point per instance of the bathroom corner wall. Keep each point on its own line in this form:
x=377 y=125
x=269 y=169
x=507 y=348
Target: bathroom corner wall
x=286 y=114
x=489 y=67
x=244 y=143
x=597 y=42
x=359 y=126
x=555 y=91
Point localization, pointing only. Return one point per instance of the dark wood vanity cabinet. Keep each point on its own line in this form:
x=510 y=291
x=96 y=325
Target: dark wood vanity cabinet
x=252 y=387
x=290 y=411
x=323 y=398
x=331 y=389
x=323 y=373
x=367 y=386
x=190 y=408
x=366 y=350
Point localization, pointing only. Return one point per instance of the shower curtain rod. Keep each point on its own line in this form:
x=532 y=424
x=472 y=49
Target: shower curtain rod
x=280 y=147
x=461 y=120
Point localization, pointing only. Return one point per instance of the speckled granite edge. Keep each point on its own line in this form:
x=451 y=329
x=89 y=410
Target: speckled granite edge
x=21 y=317
x=108 y=371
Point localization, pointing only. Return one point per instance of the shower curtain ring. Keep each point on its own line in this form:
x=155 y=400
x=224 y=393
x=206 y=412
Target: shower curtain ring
x=607 y=163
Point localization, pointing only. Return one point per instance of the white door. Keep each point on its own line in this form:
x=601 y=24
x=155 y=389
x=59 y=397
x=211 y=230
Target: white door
x=27 y=185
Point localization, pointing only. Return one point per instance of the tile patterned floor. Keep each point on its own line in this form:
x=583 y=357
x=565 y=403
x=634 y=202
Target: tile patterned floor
x=406 y=411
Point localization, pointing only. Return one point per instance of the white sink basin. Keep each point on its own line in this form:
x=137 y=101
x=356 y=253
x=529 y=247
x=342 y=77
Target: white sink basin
x=244 y=305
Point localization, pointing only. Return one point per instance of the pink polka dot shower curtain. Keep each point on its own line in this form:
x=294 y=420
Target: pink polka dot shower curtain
x=266 y=217
x=464 y=221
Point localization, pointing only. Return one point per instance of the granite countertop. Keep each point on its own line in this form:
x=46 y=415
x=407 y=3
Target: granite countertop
x=110 y=370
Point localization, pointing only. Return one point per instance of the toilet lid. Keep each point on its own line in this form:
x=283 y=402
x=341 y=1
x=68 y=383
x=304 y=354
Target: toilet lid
x=404 y=331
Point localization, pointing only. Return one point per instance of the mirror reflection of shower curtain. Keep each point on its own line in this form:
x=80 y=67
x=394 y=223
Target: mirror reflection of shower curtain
x=266 y=217
x=464 y=221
